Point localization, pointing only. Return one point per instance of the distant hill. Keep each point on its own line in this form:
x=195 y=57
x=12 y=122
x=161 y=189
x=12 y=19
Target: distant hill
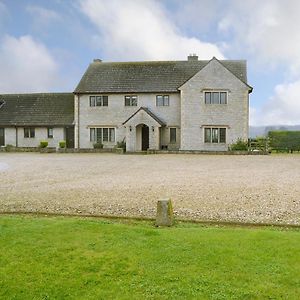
x=255 y=131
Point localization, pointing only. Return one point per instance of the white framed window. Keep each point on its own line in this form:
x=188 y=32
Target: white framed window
x=215 y=135
x=215 y=97
x=98 y=101
x=102 y=135
x=162 y=100
x=50 y=132
x=131 y=100
x=29 y=132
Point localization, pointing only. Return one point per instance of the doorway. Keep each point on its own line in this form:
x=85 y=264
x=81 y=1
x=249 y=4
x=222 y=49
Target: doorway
x=145 y=137
x=2 y=137
x=70 y=137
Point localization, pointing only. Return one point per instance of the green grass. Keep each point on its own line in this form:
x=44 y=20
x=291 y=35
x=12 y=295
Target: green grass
x=80 y=258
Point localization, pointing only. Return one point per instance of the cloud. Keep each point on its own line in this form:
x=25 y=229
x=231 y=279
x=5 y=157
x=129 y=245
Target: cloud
x=26 y=66
x=43 y=15
x=141 y=30
x=282 y=108
x=268 y=30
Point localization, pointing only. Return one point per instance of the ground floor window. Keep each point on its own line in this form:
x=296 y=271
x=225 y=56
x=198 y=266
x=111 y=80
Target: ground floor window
x=50 y=133
x=102 y=135
x=29 y=132
x=172 y=135
x=214 y=135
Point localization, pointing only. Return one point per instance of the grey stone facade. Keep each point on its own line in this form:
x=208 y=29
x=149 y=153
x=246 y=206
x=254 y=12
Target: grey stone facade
x=187 y=112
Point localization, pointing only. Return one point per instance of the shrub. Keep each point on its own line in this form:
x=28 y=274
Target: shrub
x=122 y=144
x=8 y=147
x=43 y=144
x=98 y=145
x=62 y=144
x=240 y=145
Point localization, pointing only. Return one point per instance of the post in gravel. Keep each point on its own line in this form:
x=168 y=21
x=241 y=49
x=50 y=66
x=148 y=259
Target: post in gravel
x=164 y=213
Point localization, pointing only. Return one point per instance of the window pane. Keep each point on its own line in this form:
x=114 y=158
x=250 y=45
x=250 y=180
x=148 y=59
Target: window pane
x=134 y=101
x=127 y=101
x=166 y=101
x=26 y=132
x=92 y=100
x=207 y=98
x=105 y=134
x=214 y=136
x=222 y=135
x=111 y=134
x=207 y=135
x=215 y=98
x=159 y=100
x=223 y=98
x=98 y=100
x=92 y=134
x=105 y=100
x=172 y=135
x=99 y=135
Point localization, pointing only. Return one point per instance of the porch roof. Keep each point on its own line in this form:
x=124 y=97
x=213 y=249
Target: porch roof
x=150 y=113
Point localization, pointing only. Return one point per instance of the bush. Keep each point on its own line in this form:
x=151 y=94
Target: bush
x=240 y=145
x=9 y=148
x=98 y=145
x=62 y=144
x=122 y=144
x=43 y=144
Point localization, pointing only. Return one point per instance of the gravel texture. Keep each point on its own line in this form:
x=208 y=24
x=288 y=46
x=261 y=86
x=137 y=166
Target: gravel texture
x=255 y=189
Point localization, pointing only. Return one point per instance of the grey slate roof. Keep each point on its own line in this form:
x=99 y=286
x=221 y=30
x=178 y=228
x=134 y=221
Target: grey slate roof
x=152 y=76
x=50 y=109
x=150 y=113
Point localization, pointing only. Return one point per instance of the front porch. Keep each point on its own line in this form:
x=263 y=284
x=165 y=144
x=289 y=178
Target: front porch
x=143 y=131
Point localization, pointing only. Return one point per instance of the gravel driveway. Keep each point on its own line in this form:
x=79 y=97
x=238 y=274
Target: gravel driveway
x=202 y=187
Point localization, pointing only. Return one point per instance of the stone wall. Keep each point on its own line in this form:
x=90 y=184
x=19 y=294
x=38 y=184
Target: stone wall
x=116 y=113
x=195 y=113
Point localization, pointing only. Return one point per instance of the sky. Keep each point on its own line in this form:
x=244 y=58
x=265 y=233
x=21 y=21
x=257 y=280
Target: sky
x=46 y=46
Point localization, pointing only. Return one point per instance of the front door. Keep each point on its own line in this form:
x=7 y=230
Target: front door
x=2 y=137
x=70 y=137
x=145 y=137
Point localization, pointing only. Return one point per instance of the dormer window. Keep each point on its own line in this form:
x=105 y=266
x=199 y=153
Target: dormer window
x=98 y=101
x=215 y=97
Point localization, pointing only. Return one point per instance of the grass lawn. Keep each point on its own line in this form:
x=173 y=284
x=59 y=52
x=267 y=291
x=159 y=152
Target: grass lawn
x=80 y=258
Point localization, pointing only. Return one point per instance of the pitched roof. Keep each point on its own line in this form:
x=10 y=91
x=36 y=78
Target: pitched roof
x=150 y=113
x=51 y=109
x=149 y=76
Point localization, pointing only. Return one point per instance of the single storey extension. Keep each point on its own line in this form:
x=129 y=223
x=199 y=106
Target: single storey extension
x=174 y=105
x=28 y=119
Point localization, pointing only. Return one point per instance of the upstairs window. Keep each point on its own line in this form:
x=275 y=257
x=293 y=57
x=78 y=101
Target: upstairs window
x=215 y=97
x=162 y=100
x=98 y=101
x=215 y=135
x=130 y=100
x=29 y=132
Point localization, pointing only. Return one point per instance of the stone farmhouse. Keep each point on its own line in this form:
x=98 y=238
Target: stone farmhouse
x=174 y=105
